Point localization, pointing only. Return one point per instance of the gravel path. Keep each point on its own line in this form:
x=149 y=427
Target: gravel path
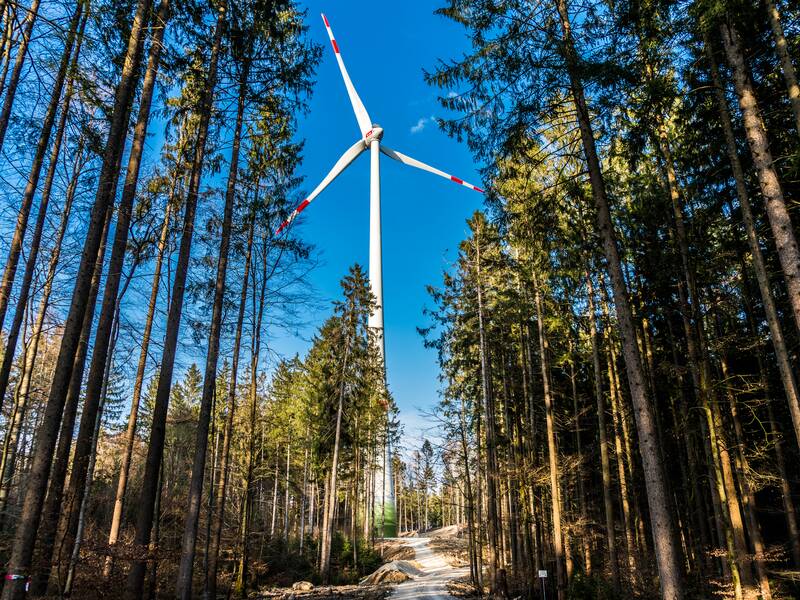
x=432 y=585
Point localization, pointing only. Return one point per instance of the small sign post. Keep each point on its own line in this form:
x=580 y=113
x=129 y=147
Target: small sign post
x=542 y=577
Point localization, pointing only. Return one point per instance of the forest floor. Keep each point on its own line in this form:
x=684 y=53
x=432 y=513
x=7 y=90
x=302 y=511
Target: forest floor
x=440 y=555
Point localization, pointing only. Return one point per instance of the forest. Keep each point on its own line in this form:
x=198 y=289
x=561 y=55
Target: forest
x=617 y=335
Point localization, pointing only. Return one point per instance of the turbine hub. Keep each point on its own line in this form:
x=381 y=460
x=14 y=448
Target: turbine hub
x=376 y=133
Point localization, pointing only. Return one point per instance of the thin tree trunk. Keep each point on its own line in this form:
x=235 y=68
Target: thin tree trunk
x=130 y=433
x=155 y=449
x=185 y=570
x=496 y=579
x=627 y=517
x=51 y=511
x=667 y=551
x=240 y=586
x=25 y=536
x=111 y=297
x=552 y=448
x=286 y=505
x=776 y=330
x=22 y=391
x=605 y=463
x=330 y=493
x=66 y=69
x=76 y=546
x=11 y=92
x=777 y=213
x=748 y=497
x=782 y=50
x=222 y=486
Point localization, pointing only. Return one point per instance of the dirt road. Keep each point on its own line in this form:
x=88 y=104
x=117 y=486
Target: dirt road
x=433 y=584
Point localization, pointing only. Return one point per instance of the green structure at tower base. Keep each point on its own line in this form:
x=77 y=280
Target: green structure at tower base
x=385 y=520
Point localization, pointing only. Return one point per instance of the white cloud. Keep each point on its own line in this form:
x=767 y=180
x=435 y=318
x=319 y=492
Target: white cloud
x=452 y=94
x=421 y=123
x=419 y=126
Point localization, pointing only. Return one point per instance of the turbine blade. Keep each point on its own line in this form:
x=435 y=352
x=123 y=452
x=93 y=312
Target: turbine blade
x=349 y=156
x=364 y=122
x=412 y=162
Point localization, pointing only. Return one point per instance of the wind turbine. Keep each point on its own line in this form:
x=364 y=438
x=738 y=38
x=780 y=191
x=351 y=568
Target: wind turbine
x=371 y=137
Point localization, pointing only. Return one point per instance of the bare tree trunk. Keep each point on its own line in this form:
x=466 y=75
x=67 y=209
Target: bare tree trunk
x=155 y=450
x=11 y=91
x=782 y=50
x=51 y=511
x=666 y=549
x=240 y=586
x=286 y=504
x=776 y=330
x=330 y=492
x=8 y=14
x=22 y=391
x=748 y=497
x=25 y=536
x=75 y=551
x=111 y=298
x=275 y=492
x=786 y=491
x=222 y=486
x=496 y=579
x=185 y=570
x=624 y=492
x=552 y=448
x=774 y=202
x=130 y=433
x=304 y=492
x=66 y=68
x=605 y=464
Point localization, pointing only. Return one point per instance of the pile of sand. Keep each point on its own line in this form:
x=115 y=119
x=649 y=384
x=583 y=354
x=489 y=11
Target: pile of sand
x=396 y=571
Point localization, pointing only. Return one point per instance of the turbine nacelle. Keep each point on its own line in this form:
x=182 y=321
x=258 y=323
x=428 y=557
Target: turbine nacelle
x=376 y=133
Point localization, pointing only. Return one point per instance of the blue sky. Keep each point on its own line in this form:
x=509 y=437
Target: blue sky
x=385 y=48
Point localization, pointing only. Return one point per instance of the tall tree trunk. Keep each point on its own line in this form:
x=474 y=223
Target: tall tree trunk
x=51 y=512
x=105 y=324
x=185 y=569
x=286 y=504
x=777 y=213
x=470 y=507
x=240 y=586
x=23 y=388
x=622 y=472
x=701 y=372
x=605 y=463
x=25 y=536
x=66 y=68
x=782 y=50
x=222 y=485
x=75 y=550
x=11 y=90
x=496 y=582
x=748 y=497
x=776 y=330
x=552 y=448
x=155 y=449
x=130 y=433
x=330 y=492
x=666 y=549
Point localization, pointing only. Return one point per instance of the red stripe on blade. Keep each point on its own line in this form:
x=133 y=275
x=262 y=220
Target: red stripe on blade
x=300 y=208
x=456 y=179
x=335 y=46
x=324 y=18
x=477 y=189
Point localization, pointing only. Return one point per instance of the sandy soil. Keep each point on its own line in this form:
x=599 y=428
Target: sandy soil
x=432 y=585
